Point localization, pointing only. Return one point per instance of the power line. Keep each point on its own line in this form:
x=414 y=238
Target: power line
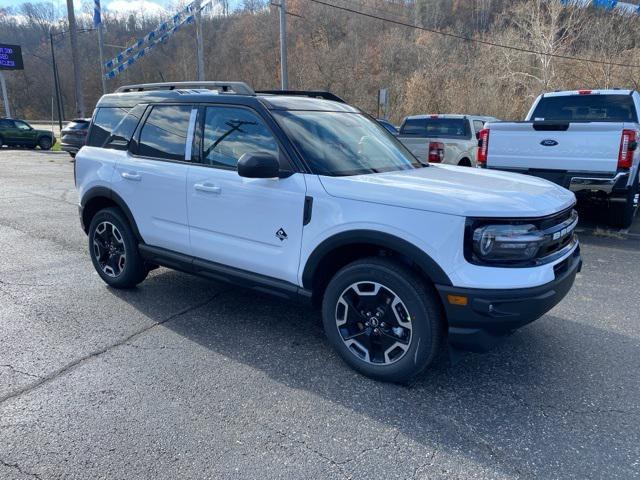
x=474 y=40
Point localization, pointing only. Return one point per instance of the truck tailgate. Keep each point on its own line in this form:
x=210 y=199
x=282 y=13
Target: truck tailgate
x=592 y=147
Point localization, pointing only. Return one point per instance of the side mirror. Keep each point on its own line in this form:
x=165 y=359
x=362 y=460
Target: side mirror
x=258 y=165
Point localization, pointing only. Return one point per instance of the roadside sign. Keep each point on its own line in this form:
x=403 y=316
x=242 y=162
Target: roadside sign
x=383 y=102
x=10 y=57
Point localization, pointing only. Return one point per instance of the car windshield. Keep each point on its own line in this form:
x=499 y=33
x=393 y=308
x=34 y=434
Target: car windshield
x=344 y=143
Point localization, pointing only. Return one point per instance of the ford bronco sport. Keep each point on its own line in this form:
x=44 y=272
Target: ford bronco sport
x=300 y=195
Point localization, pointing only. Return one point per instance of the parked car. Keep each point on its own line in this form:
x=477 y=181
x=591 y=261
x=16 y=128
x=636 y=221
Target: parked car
x=584 y=140
x=388 y=125
x=310 y=199
x=18 y=133
x=74 y=135
x=448 y=139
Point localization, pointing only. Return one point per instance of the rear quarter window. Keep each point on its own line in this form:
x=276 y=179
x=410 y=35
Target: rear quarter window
x=104 y=121
x=586 y=108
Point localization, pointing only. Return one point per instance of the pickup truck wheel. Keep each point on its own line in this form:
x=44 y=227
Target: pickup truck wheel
x=382 y=319
x=44 y=143
x=114 y=250
x=623 y=213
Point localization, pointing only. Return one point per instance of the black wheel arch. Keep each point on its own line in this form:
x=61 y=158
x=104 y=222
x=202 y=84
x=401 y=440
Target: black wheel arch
x=97 y=198
x=343 y=248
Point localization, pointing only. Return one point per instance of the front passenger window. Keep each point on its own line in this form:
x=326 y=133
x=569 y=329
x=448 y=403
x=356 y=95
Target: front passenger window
x=230 y=132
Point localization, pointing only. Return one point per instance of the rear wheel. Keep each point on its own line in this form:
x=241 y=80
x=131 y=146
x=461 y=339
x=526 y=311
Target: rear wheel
x=465 y=162
x=114 y=250
x=624 y=212
x=44 y=143
x=382 y=319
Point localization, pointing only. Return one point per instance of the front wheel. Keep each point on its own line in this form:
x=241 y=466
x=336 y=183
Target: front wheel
x=383 y=319
x=114 y=250
x=44 y=143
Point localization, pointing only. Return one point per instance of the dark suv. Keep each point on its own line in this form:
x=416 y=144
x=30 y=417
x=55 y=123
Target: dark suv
x=74 y=135
x=20 y=134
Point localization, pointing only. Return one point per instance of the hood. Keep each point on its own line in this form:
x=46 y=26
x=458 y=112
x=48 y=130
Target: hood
x=463 y=191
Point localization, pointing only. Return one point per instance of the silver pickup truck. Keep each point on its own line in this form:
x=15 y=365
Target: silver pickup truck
x=448 y=139
x=584 y=140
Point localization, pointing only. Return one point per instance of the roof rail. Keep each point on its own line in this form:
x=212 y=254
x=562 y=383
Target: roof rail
x=305 y=93
x=240 y=88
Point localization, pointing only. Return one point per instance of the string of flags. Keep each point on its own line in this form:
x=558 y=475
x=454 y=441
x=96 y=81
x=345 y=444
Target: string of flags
x=137 y=50
x=621 y=7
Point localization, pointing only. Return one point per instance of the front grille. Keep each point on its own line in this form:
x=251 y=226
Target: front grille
x=559 y=234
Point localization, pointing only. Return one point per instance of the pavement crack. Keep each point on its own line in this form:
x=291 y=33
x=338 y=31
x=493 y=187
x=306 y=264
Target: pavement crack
x=96 y=353
x=17 y=467
x=25 y=284
x=22 y=372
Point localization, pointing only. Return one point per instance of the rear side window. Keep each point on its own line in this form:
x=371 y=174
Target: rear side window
x=436 y=127
x=123 y=132
x=586 y=108
x=104 y=121
x=6 y=123
x=164 y=133
x=230 y=132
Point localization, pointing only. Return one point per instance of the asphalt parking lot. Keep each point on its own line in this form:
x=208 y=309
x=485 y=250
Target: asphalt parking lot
x=186 y=378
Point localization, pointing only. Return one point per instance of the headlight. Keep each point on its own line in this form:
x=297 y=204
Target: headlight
x=507 y=243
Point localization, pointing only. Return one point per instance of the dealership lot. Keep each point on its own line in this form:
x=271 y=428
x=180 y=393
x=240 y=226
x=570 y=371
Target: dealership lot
x=186 y=378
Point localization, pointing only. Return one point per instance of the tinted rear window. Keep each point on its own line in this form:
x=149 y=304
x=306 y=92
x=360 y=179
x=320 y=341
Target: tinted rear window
x=77 y=125
x=436 y=127
x=586 y=108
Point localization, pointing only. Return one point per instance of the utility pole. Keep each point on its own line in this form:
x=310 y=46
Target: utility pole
x=7 y=111
x=284 y=75
x=199 y=42
x=77 y=79
x=97 y=23
x=56 y=80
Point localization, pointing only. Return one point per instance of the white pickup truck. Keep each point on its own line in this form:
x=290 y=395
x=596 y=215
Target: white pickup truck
x=584 y=140
x=449 y=138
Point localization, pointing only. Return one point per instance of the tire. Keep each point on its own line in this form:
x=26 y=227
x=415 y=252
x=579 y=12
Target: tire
x=113 y=248
x=72 y=154
x=45 y=143
x=1 y=142
x=623 y=212
x=465 y=162
x=380 y=355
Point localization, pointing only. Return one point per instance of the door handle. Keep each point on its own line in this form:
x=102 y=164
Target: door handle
x=131 y=176
x=207 y=187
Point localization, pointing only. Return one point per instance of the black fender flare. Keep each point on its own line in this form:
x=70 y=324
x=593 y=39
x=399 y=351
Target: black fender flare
x=383 y=240
x=104 y=192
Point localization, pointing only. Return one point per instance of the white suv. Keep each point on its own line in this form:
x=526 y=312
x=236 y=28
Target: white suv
x=301 y=195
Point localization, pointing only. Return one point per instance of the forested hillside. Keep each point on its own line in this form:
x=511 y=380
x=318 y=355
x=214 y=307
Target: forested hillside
x=352 y=55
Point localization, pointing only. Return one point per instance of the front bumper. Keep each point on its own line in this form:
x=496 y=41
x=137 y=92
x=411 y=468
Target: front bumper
x=491 y=314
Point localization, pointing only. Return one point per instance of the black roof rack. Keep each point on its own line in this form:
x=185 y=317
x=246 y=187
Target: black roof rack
x=304 y=93
x=240 y=88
